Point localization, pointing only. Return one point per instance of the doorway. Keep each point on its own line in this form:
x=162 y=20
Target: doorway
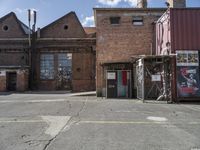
x=64 y=76
x=118 y=84
x=11 y=81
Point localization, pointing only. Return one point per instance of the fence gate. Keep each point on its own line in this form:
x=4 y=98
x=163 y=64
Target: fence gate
x=140 y=79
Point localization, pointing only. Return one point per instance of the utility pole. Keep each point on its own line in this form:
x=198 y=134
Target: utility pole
x=32 y=40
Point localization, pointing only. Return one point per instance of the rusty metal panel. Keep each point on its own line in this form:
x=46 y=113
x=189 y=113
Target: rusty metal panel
x=185 y=28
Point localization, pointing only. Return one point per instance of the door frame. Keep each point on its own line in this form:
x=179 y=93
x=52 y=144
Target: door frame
x=130 y=90
x=8 y=78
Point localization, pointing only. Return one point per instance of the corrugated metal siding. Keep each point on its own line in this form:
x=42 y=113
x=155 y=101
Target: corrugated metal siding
x=185 y=28
x=184 y=34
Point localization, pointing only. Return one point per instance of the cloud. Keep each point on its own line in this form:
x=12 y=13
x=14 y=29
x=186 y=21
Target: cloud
x=131 y=2
x=20 y=11
x=116 y=2
x=88 y=21
x=110 y=2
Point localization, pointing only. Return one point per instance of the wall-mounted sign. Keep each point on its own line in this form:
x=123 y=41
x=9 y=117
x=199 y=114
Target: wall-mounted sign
x=156 y=77
x=188 y=74
x=111 y=75
x=188 y=81
x=187 y=58
x=2 y=73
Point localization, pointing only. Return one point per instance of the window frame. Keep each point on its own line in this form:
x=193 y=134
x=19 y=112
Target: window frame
x=136 y=20
x=45 y=63
x=112 y=19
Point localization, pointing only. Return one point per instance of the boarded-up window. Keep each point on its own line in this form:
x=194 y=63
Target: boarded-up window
x=47 y=66
x=115 y=20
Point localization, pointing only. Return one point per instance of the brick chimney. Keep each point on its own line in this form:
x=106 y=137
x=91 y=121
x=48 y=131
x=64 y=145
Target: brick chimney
x=141 y=3
x=177 y=3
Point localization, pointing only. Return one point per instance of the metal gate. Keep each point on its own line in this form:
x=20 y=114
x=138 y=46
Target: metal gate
x=153 y=78
x=140 y=79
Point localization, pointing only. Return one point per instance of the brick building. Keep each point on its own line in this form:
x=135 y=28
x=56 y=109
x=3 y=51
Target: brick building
x=121 y=34
x=14 y=66
x=63 y=55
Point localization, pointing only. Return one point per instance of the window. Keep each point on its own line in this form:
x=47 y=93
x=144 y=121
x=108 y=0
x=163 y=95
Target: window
x=65 y=65
x=65 y=27
x=47 y=66
x=5 y=28
x=138 y=21
x=114 y=20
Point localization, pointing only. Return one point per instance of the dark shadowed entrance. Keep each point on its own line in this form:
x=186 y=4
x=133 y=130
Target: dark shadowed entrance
x=11 y=81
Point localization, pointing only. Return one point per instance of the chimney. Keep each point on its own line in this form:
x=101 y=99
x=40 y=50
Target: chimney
x=141 y=3
x=177 y=3
x=38 y=32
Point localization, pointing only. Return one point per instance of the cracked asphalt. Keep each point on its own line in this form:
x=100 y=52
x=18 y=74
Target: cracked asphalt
x=62 y=122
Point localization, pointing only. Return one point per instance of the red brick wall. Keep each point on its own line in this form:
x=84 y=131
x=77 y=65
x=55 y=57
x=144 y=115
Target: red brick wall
x=22 y=80
x=14 y=29
x=83 y=73
x=56 y=29
x=18 y=58
x=120 y=42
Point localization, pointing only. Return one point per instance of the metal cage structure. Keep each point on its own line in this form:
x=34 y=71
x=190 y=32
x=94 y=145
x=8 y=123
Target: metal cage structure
x=153 y=75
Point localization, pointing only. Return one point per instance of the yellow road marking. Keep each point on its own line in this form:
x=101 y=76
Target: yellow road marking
x=137 y=122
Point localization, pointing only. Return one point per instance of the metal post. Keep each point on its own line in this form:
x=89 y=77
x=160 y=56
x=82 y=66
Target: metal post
x=29 y=25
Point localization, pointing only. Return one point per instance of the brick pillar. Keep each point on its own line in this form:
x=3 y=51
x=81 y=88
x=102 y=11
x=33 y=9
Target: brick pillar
x=2 y=81
x=22 y=80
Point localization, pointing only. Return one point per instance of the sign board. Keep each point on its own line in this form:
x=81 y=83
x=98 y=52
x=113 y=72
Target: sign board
x=188 y=81
x=111 y=75
x=156 y=77
x=187 y=58
x=2 y=73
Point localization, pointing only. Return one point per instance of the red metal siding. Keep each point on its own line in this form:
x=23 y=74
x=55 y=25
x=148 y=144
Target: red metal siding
x=184 y=31
x=185 y=28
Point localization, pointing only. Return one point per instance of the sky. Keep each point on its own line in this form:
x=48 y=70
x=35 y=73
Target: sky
x=50 y=10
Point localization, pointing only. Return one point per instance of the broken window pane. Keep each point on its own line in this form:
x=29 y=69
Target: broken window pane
x=65 y=66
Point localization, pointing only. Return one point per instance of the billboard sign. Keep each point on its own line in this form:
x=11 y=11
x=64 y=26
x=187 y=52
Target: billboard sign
x=188 y=79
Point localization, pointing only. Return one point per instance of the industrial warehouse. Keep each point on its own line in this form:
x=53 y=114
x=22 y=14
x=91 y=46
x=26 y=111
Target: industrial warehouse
x=145 y=53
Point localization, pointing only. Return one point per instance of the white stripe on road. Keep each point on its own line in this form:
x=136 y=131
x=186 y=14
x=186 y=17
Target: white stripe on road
x=33 y=101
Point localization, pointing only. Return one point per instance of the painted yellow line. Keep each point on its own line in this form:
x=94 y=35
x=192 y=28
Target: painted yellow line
x=137 y=122
x=21 y=121
x=122 y=122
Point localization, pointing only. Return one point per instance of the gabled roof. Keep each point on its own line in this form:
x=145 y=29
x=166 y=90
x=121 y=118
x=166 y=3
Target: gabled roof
x=90 y=31
x=68 y=14
x=25 y=29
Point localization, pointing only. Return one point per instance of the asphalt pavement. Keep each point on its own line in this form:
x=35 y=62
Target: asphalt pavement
x=35 y=121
